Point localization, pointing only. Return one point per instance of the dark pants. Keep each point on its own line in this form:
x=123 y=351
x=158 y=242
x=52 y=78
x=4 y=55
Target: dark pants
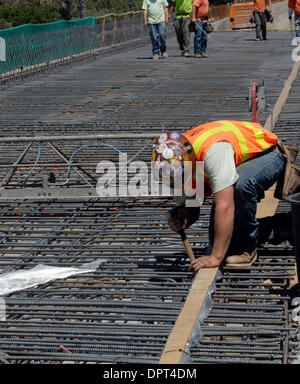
x=260 y=24
x=255 y=177
x=182 y=33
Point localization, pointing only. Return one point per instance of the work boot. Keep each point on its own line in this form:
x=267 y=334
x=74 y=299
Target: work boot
x=204 y=54
x=283 y=228
x=266 y=229
x=276 y=229
x=294 y=291
x=242 y=260
x=165 y=55
x=282 y=236
x=198 y=55
x=155 y=57
x=186 y=54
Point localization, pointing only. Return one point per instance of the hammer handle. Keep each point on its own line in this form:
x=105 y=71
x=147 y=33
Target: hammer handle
x=187 y=245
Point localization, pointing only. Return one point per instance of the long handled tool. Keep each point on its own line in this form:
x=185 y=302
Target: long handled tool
x=187 y=245
x=292 y=32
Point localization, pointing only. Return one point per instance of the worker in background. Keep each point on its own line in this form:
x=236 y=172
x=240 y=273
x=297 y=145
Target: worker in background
x=156 y=17
x=240 y=163
x=200 y=17
x=294 y=7
x=183 y=11
x=260 y=18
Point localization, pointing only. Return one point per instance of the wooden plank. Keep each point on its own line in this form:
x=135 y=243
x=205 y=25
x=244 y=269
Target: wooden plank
x=268 y=206
x=173 y=352
x=280 y=103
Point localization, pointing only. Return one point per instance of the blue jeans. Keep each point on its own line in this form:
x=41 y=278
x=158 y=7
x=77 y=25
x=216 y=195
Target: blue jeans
x=255 y=177
x=200 y=39
x=158 y=36
x=297 y=27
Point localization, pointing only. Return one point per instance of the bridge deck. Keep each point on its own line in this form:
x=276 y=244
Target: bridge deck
x=126 y=310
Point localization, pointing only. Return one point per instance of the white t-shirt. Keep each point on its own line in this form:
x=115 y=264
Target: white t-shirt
x=220 y=166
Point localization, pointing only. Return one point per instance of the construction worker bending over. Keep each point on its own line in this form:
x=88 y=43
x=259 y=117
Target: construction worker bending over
x=240 y=162
x=294 y=6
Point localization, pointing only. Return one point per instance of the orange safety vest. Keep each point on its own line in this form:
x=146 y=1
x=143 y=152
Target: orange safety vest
x=248 y=140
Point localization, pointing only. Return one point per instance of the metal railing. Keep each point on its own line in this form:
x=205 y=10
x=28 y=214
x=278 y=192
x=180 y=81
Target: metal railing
x=111 y=27
x=31 y=54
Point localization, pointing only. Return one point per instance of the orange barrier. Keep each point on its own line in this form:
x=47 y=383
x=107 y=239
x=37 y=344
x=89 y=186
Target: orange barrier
x=240 y=14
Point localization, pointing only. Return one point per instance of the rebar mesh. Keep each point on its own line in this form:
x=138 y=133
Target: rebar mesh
x=125 y=311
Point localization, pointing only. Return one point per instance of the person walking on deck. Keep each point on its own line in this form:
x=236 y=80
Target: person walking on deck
x=156 y=17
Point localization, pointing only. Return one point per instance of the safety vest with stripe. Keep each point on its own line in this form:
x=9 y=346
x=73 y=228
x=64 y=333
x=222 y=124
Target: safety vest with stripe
x=248 y=140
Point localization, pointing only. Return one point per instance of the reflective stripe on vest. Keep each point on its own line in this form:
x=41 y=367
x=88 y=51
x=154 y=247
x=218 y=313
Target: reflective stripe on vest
x=248 y=139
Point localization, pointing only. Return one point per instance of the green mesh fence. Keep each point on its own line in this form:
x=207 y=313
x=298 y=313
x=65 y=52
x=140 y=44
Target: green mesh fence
x=33 y=44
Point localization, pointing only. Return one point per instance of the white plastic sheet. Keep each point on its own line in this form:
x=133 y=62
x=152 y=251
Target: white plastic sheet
x=41 y=274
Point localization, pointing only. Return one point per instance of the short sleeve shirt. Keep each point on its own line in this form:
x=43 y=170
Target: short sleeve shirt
x=155 y=10
x=201 y=8
x=260 y=5
x=183 y=7
x=220 y=166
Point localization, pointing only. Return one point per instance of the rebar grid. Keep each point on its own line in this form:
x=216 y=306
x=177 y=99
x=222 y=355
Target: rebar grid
x=132 y=301
x=70 y=163
x=125 y=311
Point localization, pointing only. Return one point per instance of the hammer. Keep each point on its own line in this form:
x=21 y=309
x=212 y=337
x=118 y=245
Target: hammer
x=187 y=245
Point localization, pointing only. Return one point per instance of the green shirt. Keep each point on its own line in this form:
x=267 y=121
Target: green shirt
x=155 y=10
x=183 y=8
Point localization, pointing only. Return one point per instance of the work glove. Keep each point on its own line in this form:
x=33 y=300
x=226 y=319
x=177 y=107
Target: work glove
x=181 y=217
x=177 y=219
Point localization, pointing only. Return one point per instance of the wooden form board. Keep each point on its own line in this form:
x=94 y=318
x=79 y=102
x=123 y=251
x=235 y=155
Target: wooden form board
x=272 y=119
x=173 y=352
